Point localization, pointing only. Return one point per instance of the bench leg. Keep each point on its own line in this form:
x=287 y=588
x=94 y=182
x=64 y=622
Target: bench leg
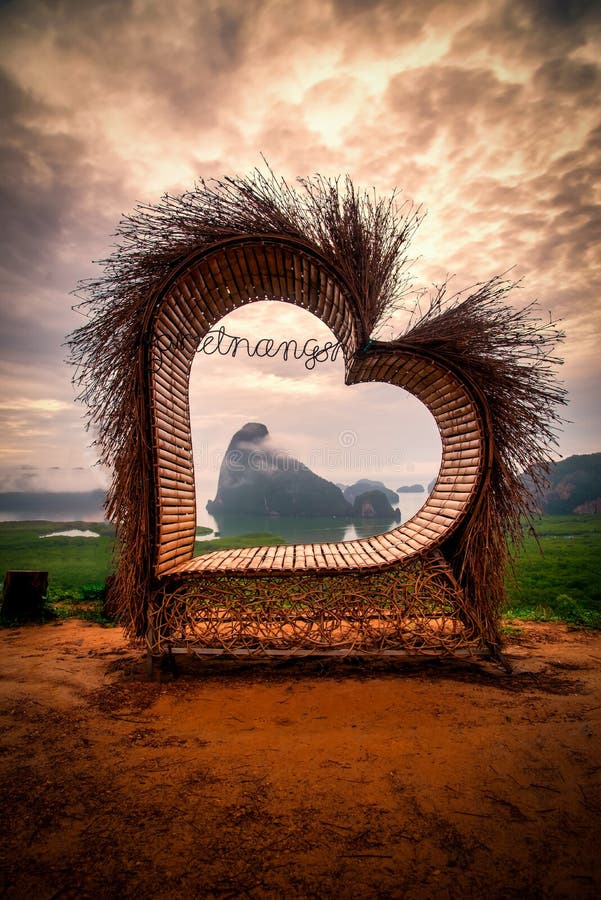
x=152 y=657
x=152 y=662
x=499 y=657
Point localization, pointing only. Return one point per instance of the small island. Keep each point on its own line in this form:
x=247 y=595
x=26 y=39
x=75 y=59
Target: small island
x=365 y=484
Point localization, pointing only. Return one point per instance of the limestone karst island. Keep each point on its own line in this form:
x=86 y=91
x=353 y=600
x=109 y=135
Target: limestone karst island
x=259 y=479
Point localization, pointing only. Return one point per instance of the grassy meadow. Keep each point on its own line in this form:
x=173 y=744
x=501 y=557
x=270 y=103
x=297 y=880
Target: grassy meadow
x=558 y=572
x=557 y=575
x=77 y=566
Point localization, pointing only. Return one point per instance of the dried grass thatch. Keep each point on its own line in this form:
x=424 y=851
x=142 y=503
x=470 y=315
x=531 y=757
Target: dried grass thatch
x=507 y=357
x=504 y=354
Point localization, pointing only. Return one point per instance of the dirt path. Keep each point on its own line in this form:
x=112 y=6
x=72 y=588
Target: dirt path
x=307 y=779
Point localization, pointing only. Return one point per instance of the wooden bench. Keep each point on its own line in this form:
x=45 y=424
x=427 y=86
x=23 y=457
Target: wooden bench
x=205 y=287
x=482 y=366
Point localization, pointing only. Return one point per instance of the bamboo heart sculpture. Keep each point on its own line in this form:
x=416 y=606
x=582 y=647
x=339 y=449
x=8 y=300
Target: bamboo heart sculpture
x=482 y=367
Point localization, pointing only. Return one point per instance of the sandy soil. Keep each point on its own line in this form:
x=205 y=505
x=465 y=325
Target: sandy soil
x=302 y=779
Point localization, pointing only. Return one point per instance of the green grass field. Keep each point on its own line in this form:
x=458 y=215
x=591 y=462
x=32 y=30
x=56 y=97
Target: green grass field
x=558 y=576
x=72 y=562
x=77 y=566
x=562 y=583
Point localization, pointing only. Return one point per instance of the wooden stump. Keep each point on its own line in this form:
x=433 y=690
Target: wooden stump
x=24 y=594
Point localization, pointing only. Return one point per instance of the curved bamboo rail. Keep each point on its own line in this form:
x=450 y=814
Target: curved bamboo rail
x=212 y=283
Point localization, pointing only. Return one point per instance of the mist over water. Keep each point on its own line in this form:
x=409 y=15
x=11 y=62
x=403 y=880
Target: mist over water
x=307 y=529
x=88 y=508
x=68 y=506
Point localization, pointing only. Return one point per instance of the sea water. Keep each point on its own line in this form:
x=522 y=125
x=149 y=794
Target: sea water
x=308 y=529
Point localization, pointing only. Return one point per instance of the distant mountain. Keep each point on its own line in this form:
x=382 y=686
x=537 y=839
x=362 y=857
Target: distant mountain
x=575 y=486
x=411 y=489
x=257 y=478
x=53 y=505
x=365 y=484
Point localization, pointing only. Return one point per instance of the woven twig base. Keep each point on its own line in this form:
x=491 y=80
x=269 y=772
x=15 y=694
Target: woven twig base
x=417 y=608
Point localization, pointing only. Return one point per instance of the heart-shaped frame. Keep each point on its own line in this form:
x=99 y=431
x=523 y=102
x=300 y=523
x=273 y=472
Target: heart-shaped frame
x=211 y=283
x=483 y=369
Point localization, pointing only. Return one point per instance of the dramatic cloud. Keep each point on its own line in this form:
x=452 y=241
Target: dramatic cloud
x=484 y=113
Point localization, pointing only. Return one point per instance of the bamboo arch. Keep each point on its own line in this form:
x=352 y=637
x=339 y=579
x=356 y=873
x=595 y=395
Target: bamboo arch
x=485 y=371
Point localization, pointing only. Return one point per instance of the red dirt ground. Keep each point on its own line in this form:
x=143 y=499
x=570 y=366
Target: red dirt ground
x=300 y=779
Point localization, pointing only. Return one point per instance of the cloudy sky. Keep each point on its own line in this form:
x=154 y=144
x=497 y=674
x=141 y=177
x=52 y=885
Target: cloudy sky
x=486 y=114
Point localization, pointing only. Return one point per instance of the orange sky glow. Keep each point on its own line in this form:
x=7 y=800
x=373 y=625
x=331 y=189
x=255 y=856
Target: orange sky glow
x=485 y=114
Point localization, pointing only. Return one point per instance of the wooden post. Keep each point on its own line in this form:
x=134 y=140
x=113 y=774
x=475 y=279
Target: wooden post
x=152 y=657
x=24 y=594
